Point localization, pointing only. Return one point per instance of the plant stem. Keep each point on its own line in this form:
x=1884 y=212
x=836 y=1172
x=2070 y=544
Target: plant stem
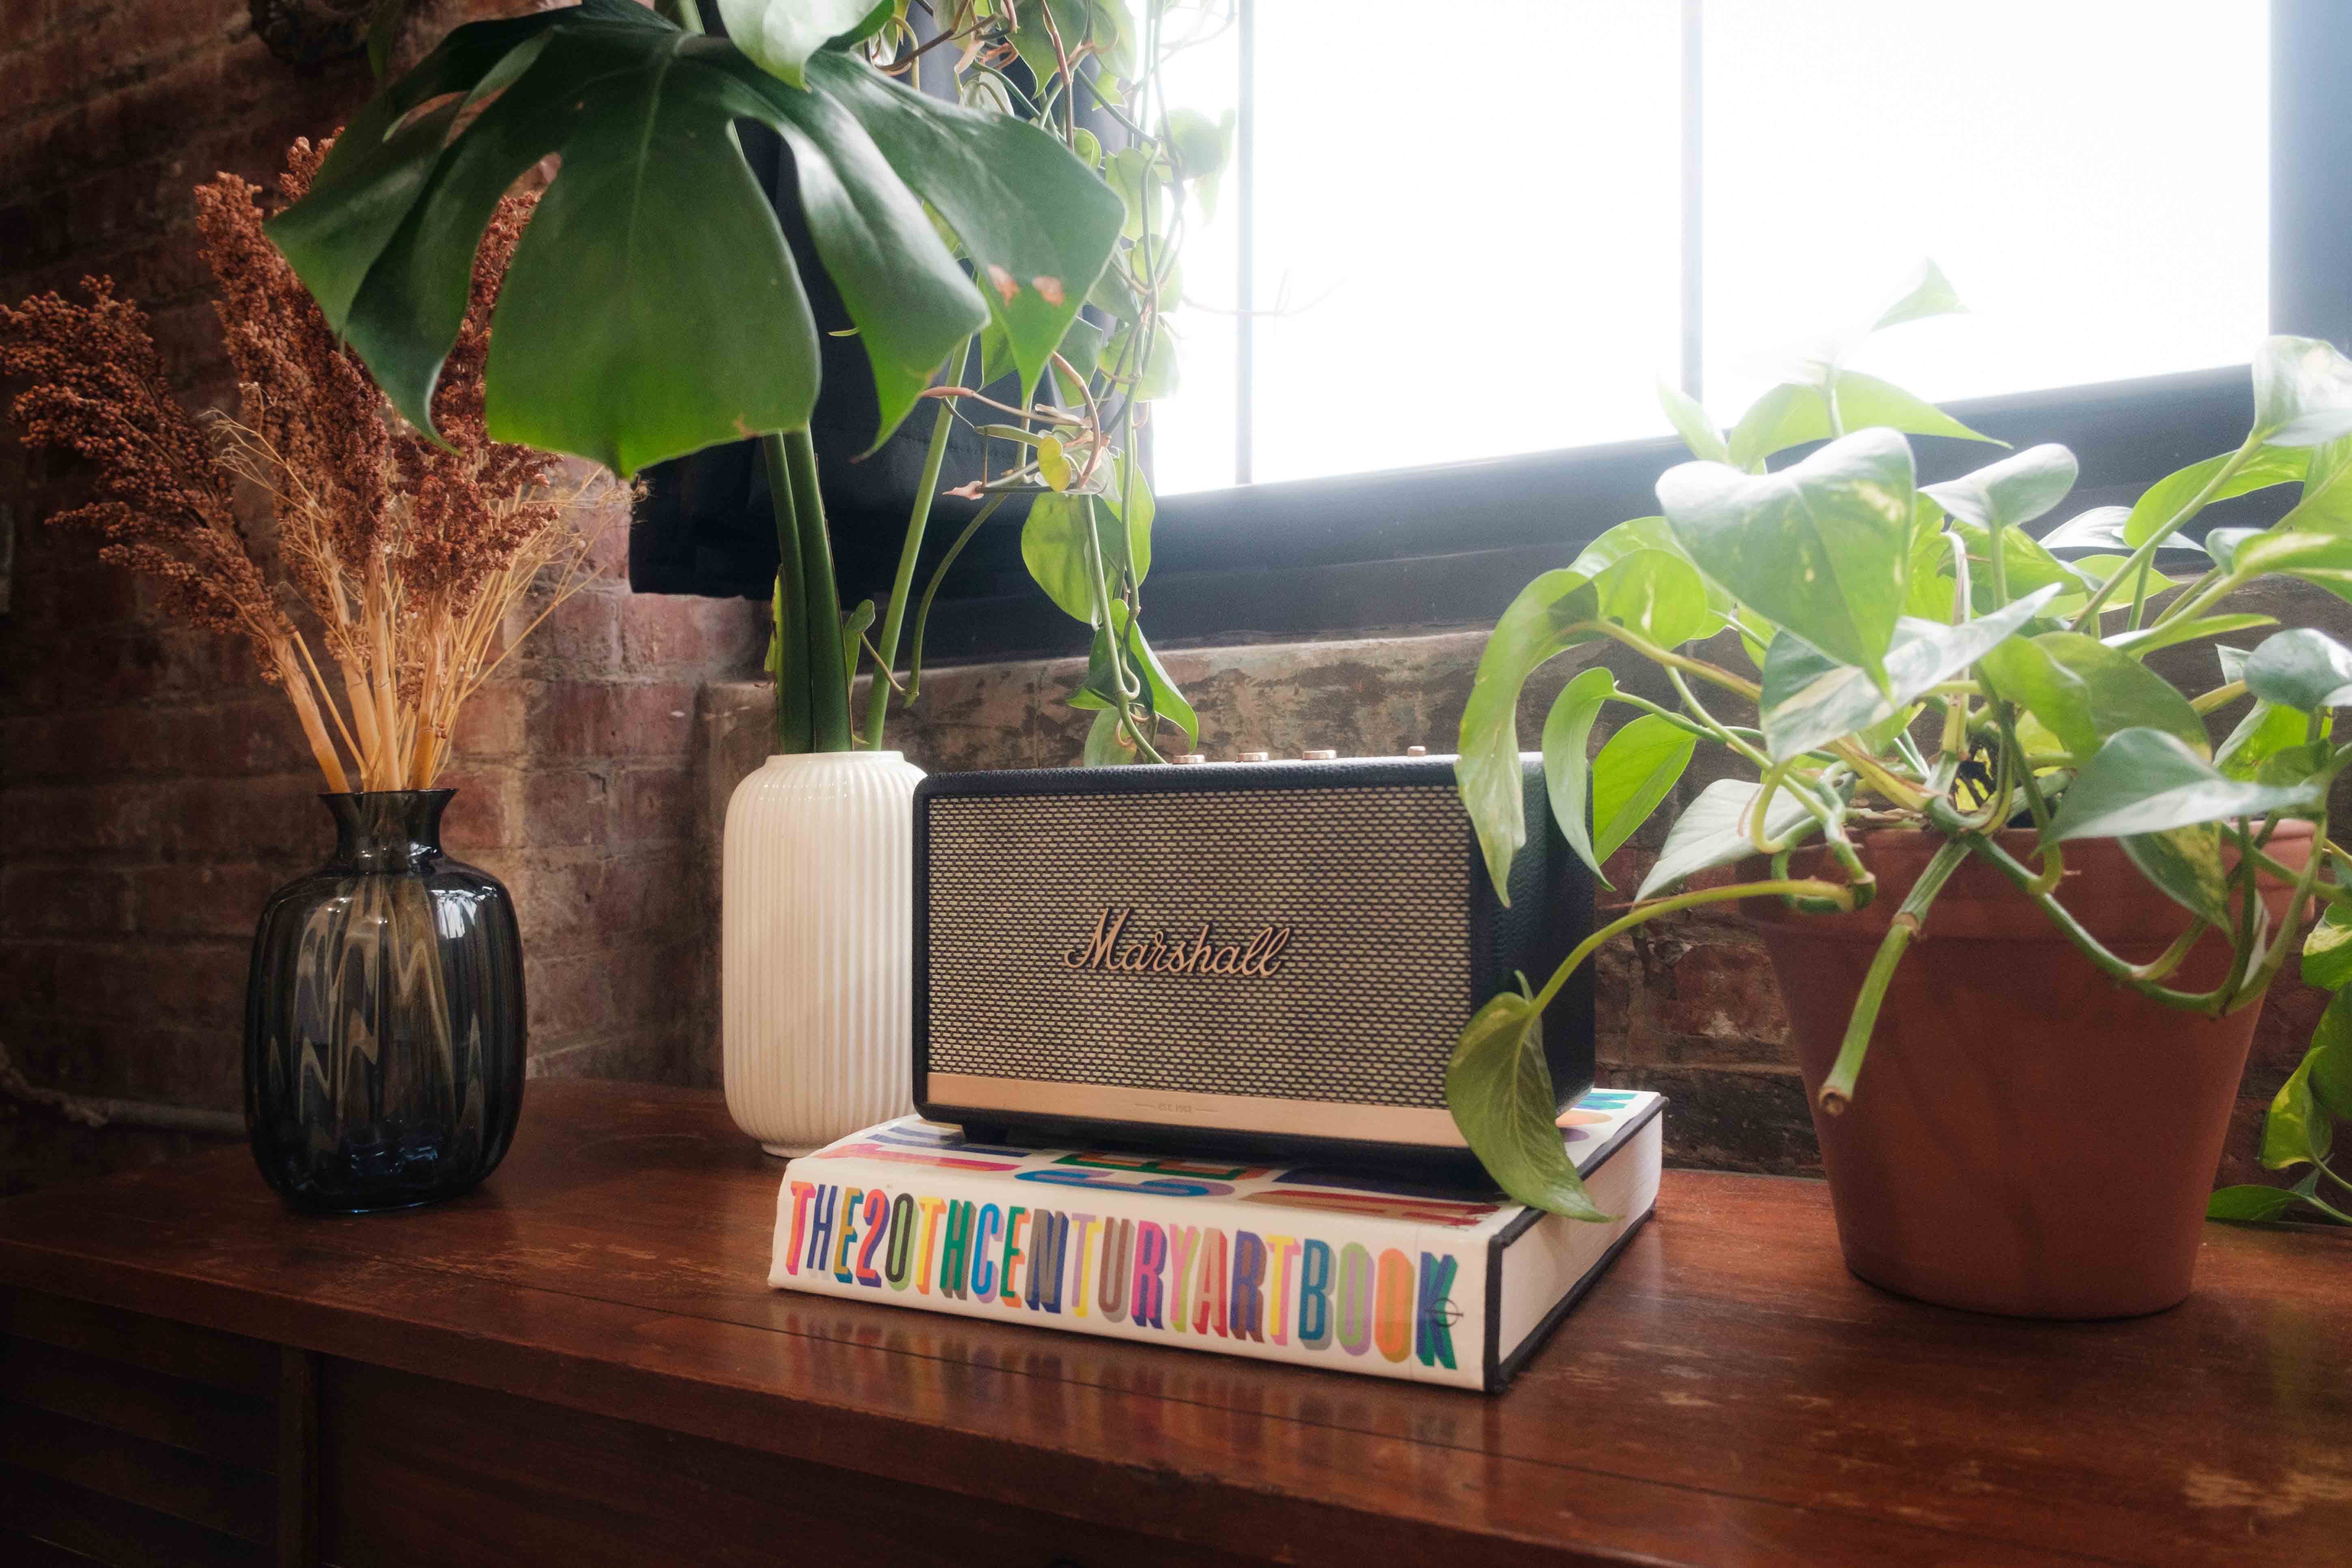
x=2220 y=697
x=1753 y=737
x=2141 y=557
x=1671 y=660
x=1838 y=893
x=795 y=706
x=2249 y=861
x=930 y=591
x=828 y=667
x=894 y=618
x=2192 y=598
x=2088 y=945
x=1837 y=1090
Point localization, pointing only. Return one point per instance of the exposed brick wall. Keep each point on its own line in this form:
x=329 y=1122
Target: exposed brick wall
x=152 y=790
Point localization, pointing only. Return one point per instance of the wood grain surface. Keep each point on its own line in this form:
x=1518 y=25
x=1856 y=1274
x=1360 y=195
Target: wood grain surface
x=1729 y=1394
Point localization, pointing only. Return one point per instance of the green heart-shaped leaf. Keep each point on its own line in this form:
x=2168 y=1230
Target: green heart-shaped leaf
x=2147 y=639
x=1713 y=831
x=1811 y=699
x=2101 y=528
x=1636 y=769
x=1053 y=546
x=1551 y=615
x=2147 y=781
x=2085 y=692
x=2322 y=558
x=2303 y=391
x=780 y=34
x=1821 y=548
x=2327 y=1066
x=1795 y=412
x=2185 y=863
x=1567 y=771
x=2297 y=1131
x=2266 y=731
x=2013 y=491
x=1500 y=1091
x=2253 y=1203
x=1928 y=294
x=2327 y=950
x=2162 y=501
x=1657 y=592
x=1691 y=422
x=2302 y=668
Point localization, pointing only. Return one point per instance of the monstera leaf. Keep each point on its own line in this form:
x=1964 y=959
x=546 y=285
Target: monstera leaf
x=653 y=307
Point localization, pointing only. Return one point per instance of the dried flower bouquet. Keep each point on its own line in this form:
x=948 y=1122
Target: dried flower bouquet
x=408 y=555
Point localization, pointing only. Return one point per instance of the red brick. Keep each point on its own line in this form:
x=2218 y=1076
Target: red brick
x=1722 y=992
x=582 y=632
x=660 y=633
x=276 y=820
x=491 y=723
x=244 y=736
x=196 y=982
x=29 y=979
x=566 y=805
x=202 y=1066
x=569 y=997
x=651 y=988
x=64 y=900
x=221 y=900
x=575 y=719
x=484 y=814
x=657 y=805
x=66 y=819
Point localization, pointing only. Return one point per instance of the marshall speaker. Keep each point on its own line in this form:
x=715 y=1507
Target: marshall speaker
x=1272 y=957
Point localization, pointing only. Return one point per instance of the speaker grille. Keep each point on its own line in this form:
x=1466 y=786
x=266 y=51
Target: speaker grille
x=1364 y=1002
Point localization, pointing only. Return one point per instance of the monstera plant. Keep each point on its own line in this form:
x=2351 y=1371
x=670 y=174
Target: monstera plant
x=1924 y=710
x=653 y=307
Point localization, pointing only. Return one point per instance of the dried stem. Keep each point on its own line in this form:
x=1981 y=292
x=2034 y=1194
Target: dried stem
x=408 y=556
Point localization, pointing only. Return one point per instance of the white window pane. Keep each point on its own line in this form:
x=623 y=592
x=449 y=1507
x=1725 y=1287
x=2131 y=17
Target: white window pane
x=2092 y=177
x=1480 y=257
x=1192 y=431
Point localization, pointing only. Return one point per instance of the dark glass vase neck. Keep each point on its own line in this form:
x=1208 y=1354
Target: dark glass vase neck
x=387 y=830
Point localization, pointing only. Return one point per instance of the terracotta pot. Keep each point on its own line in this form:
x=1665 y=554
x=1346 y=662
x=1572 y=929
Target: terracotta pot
x=2027 y=1136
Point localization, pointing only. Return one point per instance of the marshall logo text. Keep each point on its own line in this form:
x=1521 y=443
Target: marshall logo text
x=1158 y=955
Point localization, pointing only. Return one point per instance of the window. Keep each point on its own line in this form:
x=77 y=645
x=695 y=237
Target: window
x=1501 y=257
x=1631 y=189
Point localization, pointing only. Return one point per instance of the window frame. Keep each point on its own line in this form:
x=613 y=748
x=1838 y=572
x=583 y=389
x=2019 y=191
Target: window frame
x=1443 y=547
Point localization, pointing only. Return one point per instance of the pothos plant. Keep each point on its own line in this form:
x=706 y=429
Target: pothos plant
x=1916 y=659
x=654 y=308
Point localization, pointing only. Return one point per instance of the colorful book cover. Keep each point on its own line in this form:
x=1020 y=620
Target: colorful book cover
x=1393 y=1275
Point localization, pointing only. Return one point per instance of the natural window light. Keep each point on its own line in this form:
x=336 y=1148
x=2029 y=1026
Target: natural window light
x=2076 y=170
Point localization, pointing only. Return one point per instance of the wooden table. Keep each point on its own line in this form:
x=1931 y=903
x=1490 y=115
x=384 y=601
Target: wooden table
x=583 y=1363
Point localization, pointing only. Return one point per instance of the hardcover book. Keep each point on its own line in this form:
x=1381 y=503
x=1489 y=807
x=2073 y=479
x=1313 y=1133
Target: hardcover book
x=1381 y=1273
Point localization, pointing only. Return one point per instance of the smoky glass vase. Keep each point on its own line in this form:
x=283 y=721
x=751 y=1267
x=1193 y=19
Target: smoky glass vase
x=384 y=1018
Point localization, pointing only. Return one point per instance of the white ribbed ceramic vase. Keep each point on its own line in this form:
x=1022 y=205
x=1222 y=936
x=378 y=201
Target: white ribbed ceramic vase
x=816 y=944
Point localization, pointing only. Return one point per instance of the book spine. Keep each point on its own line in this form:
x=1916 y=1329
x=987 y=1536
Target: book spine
x=1134 y=1257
